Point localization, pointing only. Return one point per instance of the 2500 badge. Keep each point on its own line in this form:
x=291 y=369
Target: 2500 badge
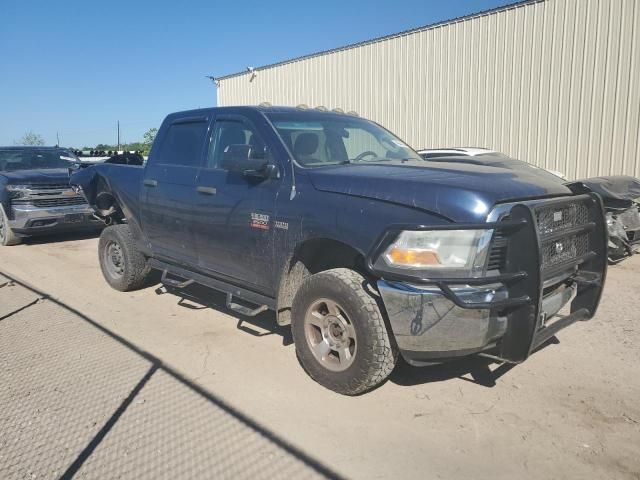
x=259 y=221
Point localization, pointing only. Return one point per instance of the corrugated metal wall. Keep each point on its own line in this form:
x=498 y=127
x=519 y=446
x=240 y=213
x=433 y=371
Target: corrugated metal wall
x=555 y=83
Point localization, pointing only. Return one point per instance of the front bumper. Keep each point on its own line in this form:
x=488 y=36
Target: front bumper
x=31 y=220
x=549 y=263
x=429 y=327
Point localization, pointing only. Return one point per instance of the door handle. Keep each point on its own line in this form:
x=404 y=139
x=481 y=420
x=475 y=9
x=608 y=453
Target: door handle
x=150 y=183
x=207 y=190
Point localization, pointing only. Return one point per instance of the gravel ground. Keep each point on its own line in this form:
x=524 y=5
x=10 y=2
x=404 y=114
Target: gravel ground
x=101 y=384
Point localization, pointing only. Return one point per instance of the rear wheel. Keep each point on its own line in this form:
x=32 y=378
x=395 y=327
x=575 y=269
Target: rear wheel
x=123 y=266
x=340 y=334
x=7 y=237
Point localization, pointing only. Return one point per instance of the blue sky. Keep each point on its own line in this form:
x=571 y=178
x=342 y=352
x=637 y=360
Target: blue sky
x=76 y=67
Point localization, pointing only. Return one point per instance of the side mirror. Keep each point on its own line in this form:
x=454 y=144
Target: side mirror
x=247 y=160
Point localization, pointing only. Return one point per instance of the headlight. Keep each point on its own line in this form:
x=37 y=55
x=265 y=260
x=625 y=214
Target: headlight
x=17 y=191
x=440 y=253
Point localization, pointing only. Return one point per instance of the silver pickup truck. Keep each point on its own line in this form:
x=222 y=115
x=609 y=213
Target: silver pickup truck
x=35 y=195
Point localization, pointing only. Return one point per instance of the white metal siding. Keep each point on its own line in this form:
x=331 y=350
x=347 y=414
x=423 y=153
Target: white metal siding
x=555 y=83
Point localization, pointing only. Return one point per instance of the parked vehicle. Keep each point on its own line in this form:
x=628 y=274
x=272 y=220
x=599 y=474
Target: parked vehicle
x=95 y=157
x=620 y=194
x=126 y=158
x=351 y=237
x=621 y=197
x=35 y=195
x=483 y=156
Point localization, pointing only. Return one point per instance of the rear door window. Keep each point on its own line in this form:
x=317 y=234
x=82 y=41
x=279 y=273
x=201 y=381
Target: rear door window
x=183 y=143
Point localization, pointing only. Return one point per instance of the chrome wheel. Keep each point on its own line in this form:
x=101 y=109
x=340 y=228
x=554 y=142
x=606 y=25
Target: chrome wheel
x=330 y=335
x=114 y=259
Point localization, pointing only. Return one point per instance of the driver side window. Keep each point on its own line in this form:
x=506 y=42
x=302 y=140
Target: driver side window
x=229 y=135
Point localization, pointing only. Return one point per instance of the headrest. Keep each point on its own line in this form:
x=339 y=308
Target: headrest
x=306 y=144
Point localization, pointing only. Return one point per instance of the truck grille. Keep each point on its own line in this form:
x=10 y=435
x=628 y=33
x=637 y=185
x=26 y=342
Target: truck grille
x=555 y=248
x=498 y=252
x=49 y=196
x=48 y=186
x=56 y=202
x=554 y=219
x=564 y=250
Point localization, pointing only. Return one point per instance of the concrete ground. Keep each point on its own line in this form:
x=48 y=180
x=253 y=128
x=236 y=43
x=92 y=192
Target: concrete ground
x=100 y=384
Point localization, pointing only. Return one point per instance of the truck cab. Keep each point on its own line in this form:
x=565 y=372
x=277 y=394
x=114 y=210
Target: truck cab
x=347 y=234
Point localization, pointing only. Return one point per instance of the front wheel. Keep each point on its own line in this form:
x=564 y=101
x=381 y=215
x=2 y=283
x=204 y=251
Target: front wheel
x=7 y=237
x=123 y=266
x=340 y=334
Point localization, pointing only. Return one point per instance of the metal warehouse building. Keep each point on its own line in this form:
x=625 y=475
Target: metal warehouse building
x=552 y=82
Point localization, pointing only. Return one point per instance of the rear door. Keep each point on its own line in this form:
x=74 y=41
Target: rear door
x=169 y=192
x=234 y=235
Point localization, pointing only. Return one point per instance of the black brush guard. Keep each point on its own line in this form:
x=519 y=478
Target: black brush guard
x=525 y=274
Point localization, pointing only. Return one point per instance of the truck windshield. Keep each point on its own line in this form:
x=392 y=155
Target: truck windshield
x=321 y=139
x=35 y=159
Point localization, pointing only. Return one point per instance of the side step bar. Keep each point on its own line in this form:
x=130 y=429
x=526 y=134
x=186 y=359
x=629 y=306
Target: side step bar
x=242 y=310
x=172 y=282
x=249 y=296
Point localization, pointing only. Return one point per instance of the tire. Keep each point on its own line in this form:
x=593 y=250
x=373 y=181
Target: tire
x=7 y=237
x=123 y=266
x=334 y=312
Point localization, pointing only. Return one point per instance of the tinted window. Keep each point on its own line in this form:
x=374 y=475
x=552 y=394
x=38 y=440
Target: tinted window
x=182 y=144
x=226 y=135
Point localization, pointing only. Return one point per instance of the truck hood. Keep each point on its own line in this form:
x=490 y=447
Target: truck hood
x=459 y=192
x=33 y=177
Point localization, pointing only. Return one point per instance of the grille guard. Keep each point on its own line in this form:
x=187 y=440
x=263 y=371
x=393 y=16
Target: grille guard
x=524 y=275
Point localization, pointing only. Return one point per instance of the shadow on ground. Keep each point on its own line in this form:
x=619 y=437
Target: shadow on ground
x=198 y=297
x=81 y=401
x=63 y=237
x=481 y=371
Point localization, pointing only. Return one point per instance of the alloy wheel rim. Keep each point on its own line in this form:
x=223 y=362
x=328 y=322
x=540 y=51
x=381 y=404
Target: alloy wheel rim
x=330 y=335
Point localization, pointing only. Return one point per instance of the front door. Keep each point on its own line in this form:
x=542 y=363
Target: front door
x=234 y=234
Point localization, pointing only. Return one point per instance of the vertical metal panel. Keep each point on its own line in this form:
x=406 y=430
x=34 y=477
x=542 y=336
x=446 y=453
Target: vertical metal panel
x=555 y=83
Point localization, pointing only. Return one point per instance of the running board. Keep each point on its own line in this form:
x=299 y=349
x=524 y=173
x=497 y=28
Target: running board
x=244 y=294
x=242 y=310
x=173 y=282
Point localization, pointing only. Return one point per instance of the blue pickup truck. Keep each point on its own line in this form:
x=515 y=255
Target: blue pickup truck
x=363 y=247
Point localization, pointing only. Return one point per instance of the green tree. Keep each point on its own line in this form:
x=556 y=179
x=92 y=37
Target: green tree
x=104 y=146
x=31 y=138
x=149 y=136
